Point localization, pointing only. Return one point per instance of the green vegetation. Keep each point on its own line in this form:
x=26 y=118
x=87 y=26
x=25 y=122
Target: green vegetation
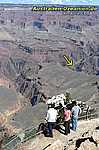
x=30 y=134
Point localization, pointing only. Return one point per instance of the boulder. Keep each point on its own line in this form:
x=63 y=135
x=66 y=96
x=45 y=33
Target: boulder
x=87 y=145
x=96 y=137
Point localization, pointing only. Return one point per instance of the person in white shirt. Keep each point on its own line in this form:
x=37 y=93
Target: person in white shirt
x=51 y=119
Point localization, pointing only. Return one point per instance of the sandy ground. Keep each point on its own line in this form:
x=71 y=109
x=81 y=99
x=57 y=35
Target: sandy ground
x=40 y=142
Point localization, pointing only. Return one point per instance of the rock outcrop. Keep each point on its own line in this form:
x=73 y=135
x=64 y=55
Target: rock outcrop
x=87 y=145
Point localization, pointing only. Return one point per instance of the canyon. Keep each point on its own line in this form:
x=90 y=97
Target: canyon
x=32 y=46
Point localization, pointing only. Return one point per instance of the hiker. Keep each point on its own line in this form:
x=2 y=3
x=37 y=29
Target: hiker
x=51 y=119
x=67 y=119
x=60 y=113
x=76 y=110
x=67 y=98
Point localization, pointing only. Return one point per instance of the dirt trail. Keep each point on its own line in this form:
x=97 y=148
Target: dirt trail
x=40 y=142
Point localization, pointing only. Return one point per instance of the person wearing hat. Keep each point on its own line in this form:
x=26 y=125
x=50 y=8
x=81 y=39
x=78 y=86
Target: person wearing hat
x=67 y=118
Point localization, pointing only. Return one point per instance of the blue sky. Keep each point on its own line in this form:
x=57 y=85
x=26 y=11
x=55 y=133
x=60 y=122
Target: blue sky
x=74 y=2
